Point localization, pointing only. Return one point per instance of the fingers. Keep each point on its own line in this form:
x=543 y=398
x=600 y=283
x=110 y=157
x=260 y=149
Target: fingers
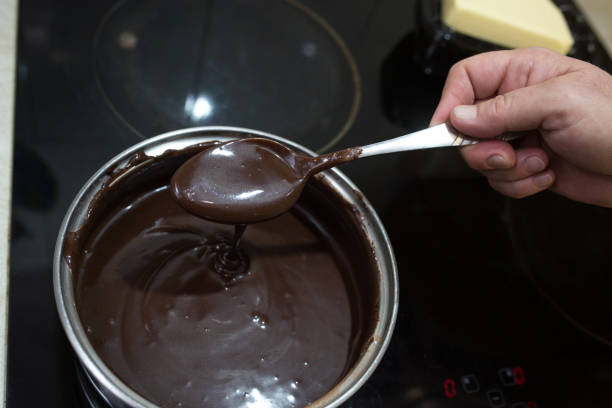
x=468 y=79
x=525 y=187
x=518 y=110
x=517 y=173
x=529 y=162
x=485 y=75
x=489 y=155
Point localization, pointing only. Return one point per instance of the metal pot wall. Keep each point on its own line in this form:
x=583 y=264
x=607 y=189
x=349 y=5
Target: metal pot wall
x=110 y=388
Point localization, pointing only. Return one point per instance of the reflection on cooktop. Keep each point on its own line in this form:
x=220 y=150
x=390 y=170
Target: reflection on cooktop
x=270 y=65
x=566 y=261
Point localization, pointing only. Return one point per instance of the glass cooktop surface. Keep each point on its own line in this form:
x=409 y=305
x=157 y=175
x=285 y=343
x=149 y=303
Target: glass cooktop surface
x=503 y=303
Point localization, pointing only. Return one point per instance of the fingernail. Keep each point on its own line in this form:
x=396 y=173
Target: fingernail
x=466 y=112
x=543 y=180
x=534 y=164
x=497 y=161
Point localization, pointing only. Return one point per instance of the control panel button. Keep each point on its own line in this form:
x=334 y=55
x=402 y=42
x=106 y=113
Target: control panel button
x=470 y=383
x=519 y=375
x=506 y=376
x=496 y=398
x=449 y=388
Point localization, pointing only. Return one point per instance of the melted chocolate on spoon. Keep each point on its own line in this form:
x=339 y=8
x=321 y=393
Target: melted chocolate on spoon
x=248 y=180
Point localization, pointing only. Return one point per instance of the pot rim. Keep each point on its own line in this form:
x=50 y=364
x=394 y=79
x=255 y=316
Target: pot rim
x=155 y=146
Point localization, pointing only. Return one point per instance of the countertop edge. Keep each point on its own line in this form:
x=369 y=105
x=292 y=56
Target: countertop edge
x=8 y=46
x=599 y=15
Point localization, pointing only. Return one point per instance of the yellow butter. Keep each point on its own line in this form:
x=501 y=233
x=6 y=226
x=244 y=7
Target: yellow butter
x=510 y=23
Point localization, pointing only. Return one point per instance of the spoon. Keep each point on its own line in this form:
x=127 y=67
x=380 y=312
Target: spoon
x=254 y=179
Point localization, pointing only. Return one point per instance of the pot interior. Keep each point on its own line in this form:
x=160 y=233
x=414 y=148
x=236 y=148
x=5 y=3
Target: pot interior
x=326 y=212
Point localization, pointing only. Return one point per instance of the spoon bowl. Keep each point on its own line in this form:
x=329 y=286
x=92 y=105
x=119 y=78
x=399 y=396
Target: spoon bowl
x=241 y=181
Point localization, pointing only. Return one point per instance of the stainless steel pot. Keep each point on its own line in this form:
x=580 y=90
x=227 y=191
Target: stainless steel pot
x=107 y=384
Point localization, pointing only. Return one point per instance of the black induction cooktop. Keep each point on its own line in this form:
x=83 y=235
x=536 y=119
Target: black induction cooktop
x=503 y=303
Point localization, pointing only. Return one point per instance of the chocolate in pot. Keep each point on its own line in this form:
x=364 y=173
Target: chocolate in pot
x=162 y=317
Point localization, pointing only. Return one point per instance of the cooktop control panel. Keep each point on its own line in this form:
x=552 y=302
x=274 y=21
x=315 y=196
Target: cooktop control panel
x=506 y=388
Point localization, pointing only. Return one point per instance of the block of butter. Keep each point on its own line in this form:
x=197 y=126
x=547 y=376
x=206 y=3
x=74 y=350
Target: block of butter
x=510 y=23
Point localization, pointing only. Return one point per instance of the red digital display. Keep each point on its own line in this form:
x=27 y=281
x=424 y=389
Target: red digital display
x=532 y=404
x=519 y=375
x=449 y=388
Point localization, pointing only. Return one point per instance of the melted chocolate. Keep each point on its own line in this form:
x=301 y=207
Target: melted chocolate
x=152 y=295
x=248 y=180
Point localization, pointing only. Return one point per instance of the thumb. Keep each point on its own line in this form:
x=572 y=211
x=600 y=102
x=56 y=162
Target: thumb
x=518 y=110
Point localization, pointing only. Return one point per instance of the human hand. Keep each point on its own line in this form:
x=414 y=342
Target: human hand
x=565 y=105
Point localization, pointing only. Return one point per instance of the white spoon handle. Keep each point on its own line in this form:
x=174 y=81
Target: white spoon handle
x=436 y=136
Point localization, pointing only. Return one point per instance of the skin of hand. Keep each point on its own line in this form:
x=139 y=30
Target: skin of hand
x=565 y=107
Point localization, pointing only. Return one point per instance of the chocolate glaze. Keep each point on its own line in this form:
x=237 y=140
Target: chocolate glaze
x=161 y=315
x=248 y=180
